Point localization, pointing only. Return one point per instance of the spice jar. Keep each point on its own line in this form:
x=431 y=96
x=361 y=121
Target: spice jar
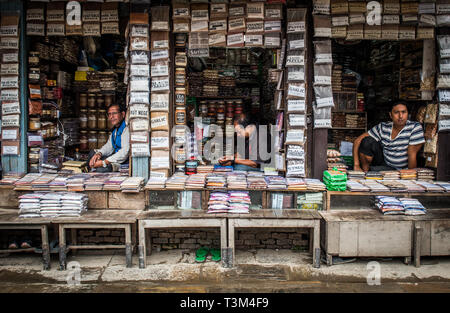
x=108 y=100
x=83 y=100
x=33 y=156
x=180 y=115
x=84 y=146
x=180 y=76
x=83 y=119
x=92 y=119
x=100 y=102
x=92 y=140
x=91 y=101
x=180 y=96
x=102 y=139
x=34 y=124
x=33 y=58
x=101 y=119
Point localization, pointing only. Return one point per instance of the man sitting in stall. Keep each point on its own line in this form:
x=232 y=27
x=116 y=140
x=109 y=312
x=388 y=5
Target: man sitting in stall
x=389 y=145
x=246 y=156
x=115 y=152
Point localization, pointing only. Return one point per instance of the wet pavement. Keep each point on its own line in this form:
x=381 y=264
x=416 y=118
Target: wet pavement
x=262 y=271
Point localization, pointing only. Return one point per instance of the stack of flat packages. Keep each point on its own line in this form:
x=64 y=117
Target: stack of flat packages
x=336 y=78
x=356 y=175
x=96 y=181
x=237 y=181
x=409 y=174
x=239 y=201
x=195 y=83
x=132 y=184
x=413 y=206
x=394 y=185
x=338 y=119
x=222 y=169
x=310 y=201
x=10 y=178
x=374 y=186
x=390 y=175
x=114 y=182
x=430 y=187
x=216 y=181
x=444 y=185
x=351 y=121
x=210 y=83
x=275 y=182
x=425 y=174
x=334 y=160
x=374 y=175
x=355 y=186
x=156 y=183
x=51 y=204
x=218 y=202
x=25 y=182
x=42 y=182
x=389 y=205
x=314 y=184
x=256 y=180
x=59 y=183
x=205 y=169
x=124 y=169
x=29 y=205
x=73 y=204
x=176 y=182
x=296 y=184
x=76 y=182
x=75 y=166
x=411 y=186
x=196 y=181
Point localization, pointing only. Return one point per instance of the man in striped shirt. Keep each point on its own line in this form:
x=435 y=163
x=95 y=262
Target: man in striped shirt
x=392 y=145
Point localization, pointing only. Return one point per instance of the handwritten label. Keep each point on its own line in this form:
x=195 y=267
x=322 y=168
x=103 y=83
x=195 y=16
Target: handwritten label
x=296 y=91
x=296 y=44
x=444 y=125
x=325 y=102
x=296 y=105
x=10 y=69
x=91 y=29
x=10 y=57
x=322 y=80
x=199 y=15
x=110 y=16
x=9 y=95
x=35 y=14
x=297 y=120
x=10 y=108
x=55 y=16
x=9 y=82
x=160 y=102
x=322 y=32
x=235 y=39
x=255 y=27
x=9 y=43
x=159 y=142
x=159 y=69
x=139 y=125
x=138 y=111
x=272 y=26
x=160 y=54
x=218 y=25
x=91 y=16
x=139 y=97
x=139 y=31
x=10 y=134
x=294 y=60
x=159 y=121
x=11 y=120
x=253 y=40
x=322 y=123
x=199 y=26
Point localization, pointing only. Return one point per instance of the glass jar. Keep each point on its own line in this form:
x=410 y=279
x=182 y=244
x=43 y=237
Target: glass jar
x=102 y=139
x=92 y=119
x=101 y=119
x=91 y=101
x=83 y=119
x=180 y=115
x=83 y=100
x=108 y=100
x=92 y=140
x=33 y=156
x=100 y=102
x=33 y=58
x=34 y=124
x=84 y=145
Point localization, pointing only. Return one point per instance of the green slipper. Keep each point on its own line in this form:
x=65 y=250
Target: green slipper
x=215 y=255
x=200 y=254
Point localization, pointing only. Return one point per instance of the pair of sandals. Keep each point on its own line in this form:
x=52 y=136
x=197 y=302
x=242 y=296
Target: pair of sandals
x=25 y=244
x=202 y=253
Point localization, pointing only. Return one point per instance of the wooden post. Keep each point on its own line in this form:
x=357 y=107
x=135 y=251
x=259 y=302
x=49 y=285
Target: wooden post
x=45 y=248
x=316 y=244
x=231 y=249
x=128 y=249
x=142 y=251
x=62 y=247
x=417 y=245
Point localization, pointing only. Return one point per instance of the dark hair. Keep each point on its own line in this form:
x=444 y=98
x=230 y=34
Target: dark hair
x=122 y=108
x=395 y=103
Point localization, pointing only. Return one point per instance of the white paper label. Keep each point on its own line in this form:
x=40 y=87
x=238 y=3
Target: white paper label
x=139 y=85
x=322 y=80
x=197 y=26
x=11 y=150
x=160 y=102
x=272 y=26
x=138 y=138
x=296 y=91
x=110 y=16
x=161 y=44
x=55 y=16
x=180 y=12
x=199 y=15
x=235 y=39
x=295 y=136
x=428 y=19
x=295 y=152
x=160 y=69
x=297 y=120
x=427 y=8
x=445 y=53
x=444 y=67
x=9 y=30
x=215 y=39
x=159 y=162
x=444 y=125
x=296 y=44
x=324 y=58
x=236 y=24
x=296 y=105
x=10 y=69
x=325 y=102
x=295 y=60
x=236 y=11
x=11 y=120
x=91 y=16
x=10 y=108
x=9 y=43
x=218 y=8
x=271 y=41
x=159 y=121
x=218 y=25
x=180 y=27
x=160 y=84
x=444 y=110
x=91 y=29
x=322 y=123
x=273 y=13
x=139 y=70
x=296 y=27
x=9 y=134
x=322 y=32
x=138 y=111
x=10 y=57
x=139 y=97
x=9 y=82
x=140 y=149
x=55 y=29
x=391 y=19
x=9 y=95
x=255 y=27
x=443 y=8
x=139 y=44
x=254 y=40
x=160 y=142
x=444 y=95
x=35 y=29
x=160 y=54
x=139 y=125
x=296 y=75
x=35 y=15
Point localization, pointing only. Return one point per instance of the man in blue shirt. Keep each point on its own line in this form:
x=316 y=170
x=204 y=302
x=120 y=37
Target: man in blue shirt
x=115 y=152
x=391 y=145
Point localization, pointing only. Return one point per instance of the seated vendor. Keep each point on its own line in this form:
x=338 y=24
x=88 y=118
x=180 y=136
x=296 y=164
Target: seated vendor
x=389 y=145
x=115 y=152
x=245 y=157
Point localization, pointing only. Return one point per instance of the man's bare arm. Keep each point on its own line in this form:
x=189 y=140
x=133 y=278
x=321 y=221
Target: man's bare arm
x=356 y=144
x=412 y=155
